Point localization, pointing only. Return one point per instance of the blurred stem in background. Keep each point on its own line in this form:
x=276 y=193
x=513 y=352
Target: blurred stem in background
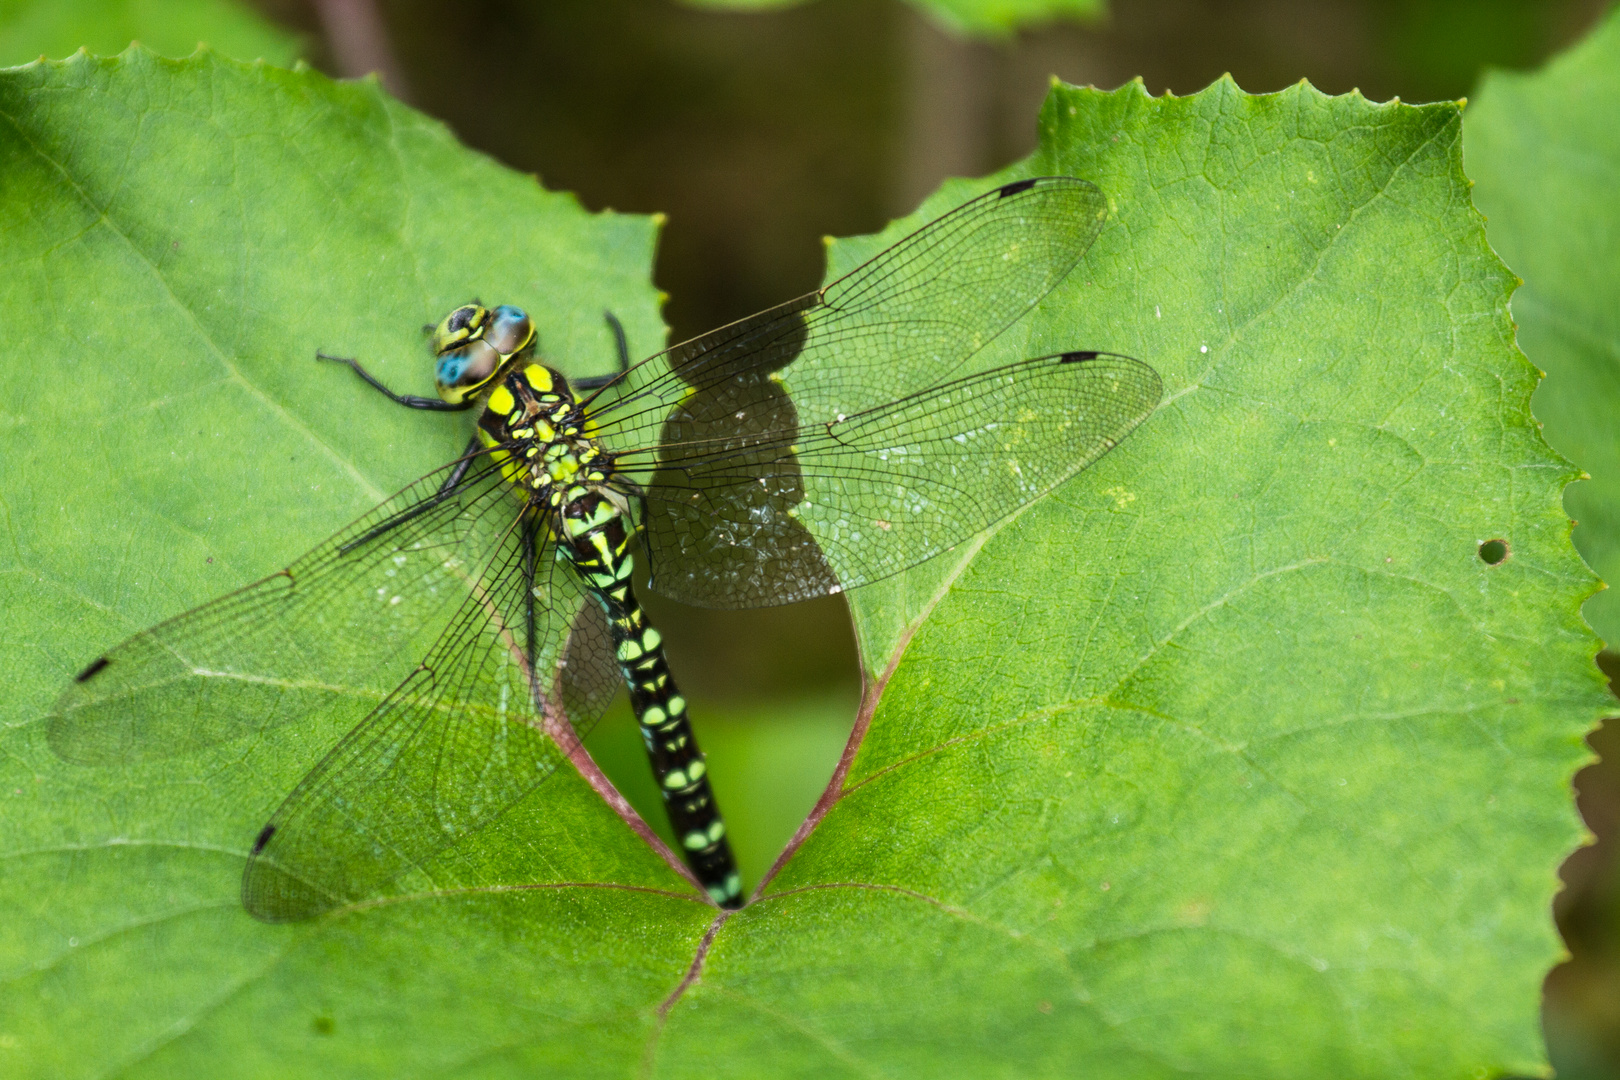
x=357 y=42
x=949 y=114
x=1581 y=1012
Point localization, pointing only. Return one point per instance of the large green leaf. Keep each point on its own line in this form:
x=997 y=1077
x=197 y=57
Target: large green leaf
x=1230 y=756
x=30 y=29
x=1229 y=765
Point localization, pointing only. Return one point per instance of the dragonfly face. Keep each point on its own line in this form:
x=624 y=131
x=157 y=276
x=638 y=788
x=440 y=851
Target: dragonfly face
x=474 y=344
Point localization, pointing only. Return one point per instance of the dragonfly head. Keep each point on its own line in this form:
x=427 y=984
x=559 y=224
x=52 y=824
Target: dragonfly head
x=473 y=344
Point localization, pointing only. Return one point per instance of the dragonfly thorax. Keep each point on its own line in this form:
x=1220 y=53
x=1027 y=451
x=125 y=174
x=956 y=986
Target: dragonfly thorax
x=533 y=424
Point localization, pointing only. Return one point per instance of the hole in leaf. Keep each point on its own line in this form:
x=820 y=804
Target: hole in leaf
x=1492 y=552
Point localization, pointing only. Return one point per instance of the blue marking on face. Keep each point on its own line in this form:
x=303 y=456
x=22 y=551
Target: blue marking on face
x=451 y=367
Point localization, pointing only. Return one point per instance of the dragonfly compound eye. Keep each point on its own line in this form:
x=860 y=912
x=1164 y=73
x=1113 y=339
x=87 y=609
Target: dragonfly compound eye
x=509 y=329
x=462 y=370
x=460 y=326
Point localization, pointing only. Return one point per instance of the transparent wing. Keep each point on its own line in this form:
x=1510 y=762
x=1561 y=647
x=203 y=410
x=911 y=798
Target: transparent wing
x=453 y=746
x=772 y=511
x=588 y=676
x=467 y=735
x=902 y=321
x=319 y=635
x=437 y=758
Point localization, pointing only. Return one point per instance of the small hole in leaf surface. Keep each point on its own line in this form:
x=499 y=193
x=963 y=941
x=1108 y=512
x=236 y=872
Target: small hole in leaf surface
x=1492 y=552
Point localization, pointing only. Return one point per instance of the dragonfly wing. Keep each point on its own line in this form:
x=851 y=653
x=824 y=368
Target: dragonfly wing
x=588 y=675
x=885 y=489
x=900 y=322
x=452 y=748
x=714 y=430
x=316 y=636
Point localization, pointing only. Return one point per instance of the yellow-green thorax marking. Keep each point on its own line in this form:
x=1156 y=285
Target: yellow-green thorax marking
x=539 y=432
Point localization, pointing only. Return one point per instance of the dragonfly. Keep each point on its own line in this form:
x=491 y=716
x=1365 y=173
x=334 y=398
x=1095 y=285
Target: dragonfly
x=467 y=628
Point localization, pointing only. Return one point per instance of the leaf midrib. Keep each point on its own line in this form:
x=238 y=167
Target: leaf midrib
x=276 y=410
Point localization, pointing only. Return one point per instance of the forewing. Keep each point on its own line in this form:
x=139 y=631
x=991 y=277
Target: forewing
x=317 y=636
x=884 y=332
x=903 y=321
x=588 y=676
x=885 y=489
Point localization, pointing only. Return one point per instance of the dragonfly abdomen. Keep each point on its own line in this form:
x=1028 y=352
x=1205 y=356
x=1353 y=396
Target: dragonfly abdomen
x=596 y=540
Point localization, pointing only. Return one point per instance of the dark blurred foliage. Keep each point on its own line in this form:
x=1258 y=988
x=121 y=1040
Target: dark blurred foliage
x=759 y=133
x=1582 y=1008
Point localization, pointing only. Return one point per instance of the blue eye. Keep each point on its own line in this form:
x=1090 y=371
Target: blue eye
x=508 y=329
x=469 y=365
x=451 y=366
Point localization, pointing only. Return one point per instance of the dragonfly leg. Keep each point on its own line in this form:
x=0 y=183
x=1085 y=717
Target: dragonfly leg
x=596 y=382
x=618 y=339
x=446 y=490
x=453 y=481
x=410 y=401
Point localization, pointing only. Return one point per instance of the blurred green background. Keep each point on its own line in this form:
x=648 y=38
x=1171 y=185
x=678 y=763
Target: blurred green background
x=759 y=132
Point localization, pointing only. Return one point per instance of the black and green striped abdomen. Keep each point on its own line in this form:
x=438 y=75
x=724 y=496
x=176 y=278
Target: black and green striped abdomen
x=595 y=538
